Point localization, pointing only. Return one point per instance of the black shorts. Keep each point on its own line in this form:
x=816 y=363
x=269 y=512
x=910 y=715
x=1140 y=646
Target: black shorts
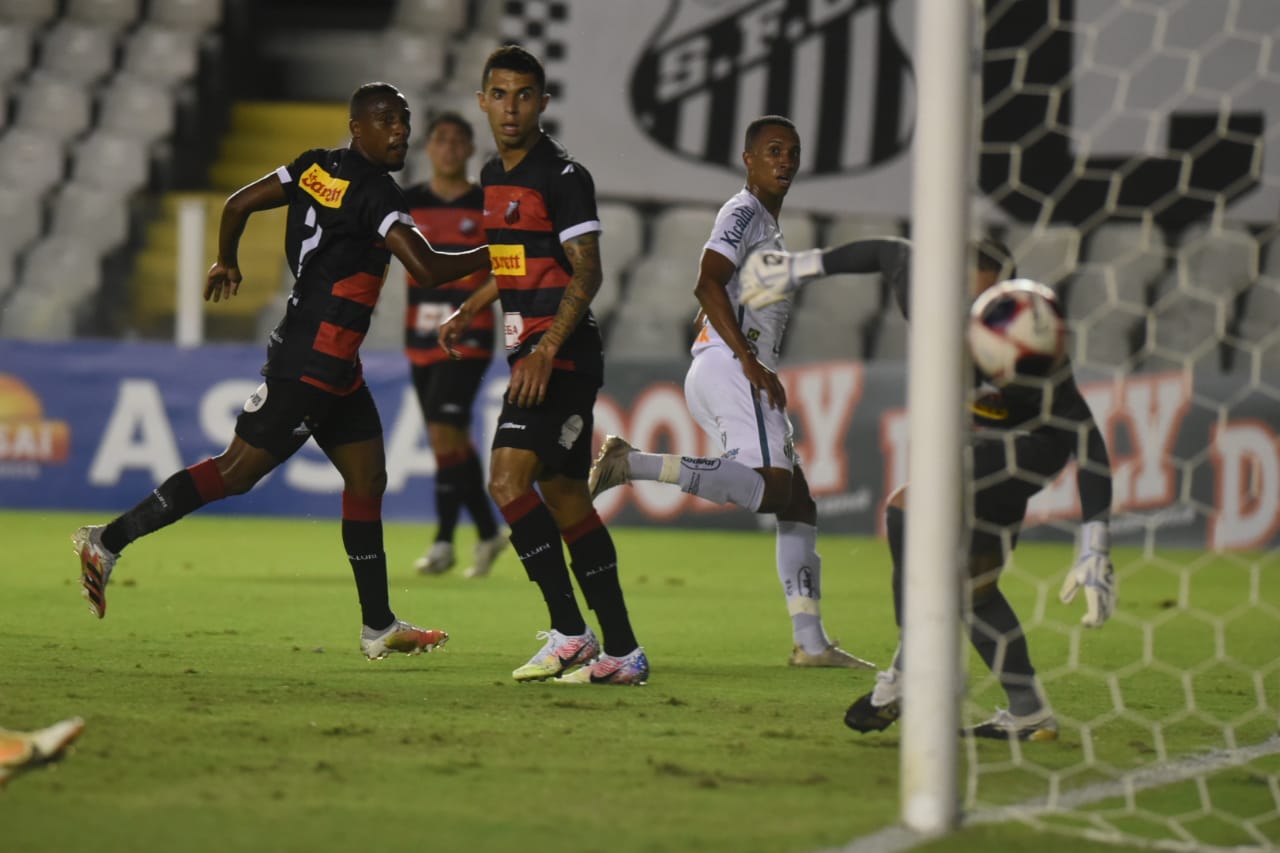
x=1000 y=497
x=558 y=430
x=447 y=390
x=283 y=413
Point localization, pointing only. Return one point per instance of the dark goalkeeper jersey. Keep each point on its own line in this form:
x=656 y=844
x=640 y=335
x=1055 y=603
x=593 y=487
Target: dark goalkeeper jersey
x=449 y=226
x=341 y=207
x=546 y=200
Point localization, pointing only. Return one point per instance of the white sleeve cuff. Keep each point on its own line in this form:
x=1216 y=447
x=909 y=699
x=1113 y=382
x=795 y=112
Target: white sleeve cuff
x=578 y=230
x=391 y=219
x=283 y=174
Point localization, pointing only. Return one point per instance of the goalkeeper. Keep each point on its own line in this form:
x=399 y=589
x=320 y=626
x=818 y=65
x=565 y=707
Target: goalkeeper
x=1015 y=430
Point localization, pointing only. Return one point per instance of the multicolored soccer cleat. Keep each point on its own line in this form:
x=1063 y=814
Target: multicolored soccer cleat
x=630 y=669
x=23 y=750
x=96 y=563
x=400 y=637
x=558 y=653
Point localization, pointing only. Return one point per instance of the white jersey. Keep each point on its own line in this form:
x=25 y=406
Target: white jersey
x=743 y=226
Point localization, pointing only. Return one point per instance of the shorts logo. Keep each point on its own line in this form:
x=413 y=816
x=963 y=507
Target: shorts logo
x=256 y=399
x=511 y=425
x=507 y=259
x=323 y=187
x=703 y=49
x=570 y=430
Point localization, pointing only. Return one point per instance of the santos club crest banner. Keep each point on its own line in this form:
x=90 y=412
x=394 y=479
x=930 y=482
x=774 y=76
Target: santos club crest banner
x=654 y=98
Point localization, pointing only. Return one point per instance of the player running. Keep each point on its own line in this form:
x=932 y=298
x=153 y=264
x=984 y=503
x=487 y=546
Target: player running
x=449 y=211
x=1012 y=433
x=346 y=217
x=734 y=393
x=544 y=239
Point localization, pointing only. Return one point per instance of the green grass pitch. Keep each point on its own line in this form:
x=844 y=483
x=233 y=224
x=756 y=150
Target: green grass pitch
x=228 y=706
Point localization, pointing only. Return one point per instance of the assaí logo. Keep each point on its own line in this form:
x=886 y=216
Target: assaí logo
x=27 y=440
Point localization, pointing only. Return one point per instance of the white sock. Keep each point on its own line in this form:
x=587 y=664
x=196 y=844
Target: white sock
x=721 y=481
x=800 y=570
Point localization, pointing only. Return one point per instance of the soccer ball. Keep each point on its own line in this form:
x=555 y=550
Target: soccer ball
x=1016 y=330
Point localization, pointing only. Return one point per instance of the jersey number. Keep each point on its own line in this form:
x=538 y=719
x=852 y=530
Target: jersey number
x=309 y=244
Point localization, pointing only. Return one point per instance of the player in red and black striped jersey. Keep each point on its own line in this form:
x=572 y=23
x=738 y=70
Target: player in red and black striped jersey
x=449 y=211
x=346 y=217
x=543 y=231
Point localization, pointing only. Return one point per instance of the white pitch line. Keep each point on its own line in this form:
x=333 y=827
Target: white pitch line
x=895 y=839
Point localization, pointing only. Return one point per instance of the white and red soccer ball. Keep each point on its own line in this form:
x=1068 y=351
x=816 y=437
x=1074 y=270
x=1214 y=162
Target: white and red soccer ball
x=1016 y=330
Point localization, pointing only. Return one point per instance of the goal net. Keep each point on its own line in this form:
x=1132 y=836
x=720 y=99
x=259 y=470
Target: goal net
x=1128 y=155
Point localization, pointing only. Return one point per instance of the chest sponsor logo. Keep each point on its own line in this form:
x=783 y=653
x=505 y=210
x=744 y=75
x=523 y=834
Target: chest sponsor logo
x=507 y=259
x=323 y=187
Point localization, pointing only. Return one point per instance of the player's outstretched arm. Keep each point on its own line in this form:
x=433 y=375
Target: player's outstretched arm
x=714 y=273
x=428 y=267
x=266 y=193
x=1092 y=571
x=460 y=320
x=770 y=276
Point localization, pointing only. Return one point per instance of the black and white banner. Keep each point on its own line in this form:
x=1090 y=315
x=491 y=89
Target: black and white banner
x=1155 y=108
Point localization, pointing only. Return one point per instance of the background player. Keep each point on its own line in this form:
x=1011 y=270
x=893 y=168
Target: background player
x=449 y=211
x=1041 y=447
x=346 y=217
x=734 y=393
x=543 y=232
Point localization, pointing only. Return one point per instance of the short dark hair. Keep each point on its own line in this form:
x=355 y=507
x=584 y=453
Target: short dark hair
x=991 y=255
x=753 y=129
x=367 y=94
x=454 y=118
x=513 y=57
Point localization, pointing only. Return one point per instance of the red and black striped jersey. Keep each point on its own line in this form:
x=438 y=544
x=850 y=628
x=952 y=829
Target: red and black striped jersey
x=449 y=226
x=341 y=207
x=529 y=212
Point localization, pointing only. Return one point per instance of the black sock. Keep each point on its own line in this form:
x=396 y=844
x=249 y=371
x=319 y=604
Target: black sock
x=595 y=565
x=448 y=496
x=181 y=494
x=475 y=497
x=996 y=633
x=894 y=523
x=363 y=541
x=537 y=540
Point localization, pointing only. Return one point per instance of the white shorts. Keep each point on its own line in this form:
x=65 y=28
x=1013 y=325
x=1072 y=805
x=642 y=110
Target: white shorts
x=740 y=422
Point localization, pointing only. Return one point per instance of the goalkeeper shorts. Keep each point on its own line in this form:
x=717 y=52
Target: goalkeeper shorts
x=1007 y=471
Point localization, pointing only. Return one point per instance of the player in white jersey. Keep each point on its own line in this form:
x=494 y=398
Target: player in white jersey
x=734 y=393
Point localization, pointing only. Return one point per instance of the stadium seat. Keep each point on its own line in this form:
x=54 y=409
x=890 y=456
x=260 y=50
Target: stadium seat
x=661 y=288
x=15 y=50
x=137 y=108
x=162 y=54
x=414 y=60
x=443 y=16
x=1048 y=254
x=96 y=217
x=832 y=316
x=468 y=57
x=111 y=13
x=849 y=228
x=191 y=15
x=8 y=271
x=647 y=340
x=623 y=237
x=53 y=105
x=889 y=336
x=31 y=160
x=109 y=161
x=77 y=51
x=679 y=233
x=22 y=212
x=1107 y=299
x=58 y=276
x=798 y=231
x=28 y=11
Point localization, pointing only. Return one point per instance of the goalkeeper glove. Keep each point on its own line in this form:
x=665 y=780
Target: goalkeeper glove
x=1092 y=571
x=771 y=276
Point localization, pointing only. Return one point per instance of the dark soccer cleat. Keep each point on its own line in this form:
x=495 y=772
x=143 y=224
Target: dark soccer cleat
x=879 y=709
